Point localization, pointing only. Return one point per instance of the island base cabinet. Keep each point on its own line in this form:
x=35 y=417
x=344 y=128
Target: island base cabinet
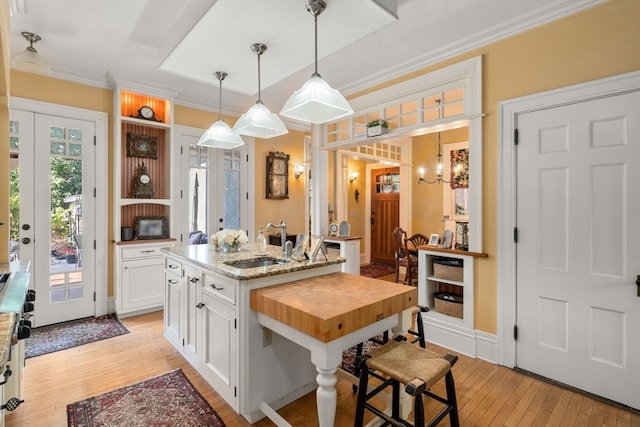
x=172 y=323
x=220 y=344
x=191 y=309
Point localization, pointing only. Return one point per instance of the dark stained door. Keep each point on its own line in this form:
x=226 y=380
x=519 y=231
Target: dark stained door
x=385 y=212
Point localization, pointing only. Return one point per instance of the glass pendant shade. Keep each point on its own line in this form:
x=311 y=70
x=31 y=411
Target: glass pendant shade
x=316 y=102
x=29 y=60
x=259 y=122
x=219 y=135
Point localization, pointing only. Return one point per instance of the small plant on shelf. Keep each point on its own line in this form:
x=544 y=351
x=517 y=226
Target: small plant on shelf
x=378 y=122
x=377 y=127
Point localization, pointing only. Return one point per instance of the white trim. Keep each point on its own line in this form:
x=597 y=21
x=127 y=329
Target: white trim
x=508 y=111
x=101 y=184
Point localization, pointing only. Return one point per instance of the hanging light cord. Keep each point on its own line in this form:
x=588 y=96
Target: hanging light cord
x=259 y=52
x=315 y=7
x=220 y=75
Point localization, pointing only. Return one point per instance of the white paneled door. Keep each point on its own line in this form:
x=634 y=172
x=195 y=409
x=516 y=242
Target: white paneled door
x=578 y=251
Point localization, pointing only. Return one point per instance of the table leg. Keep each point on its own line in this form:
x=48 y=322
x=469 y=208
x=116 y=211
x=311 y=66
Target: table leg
x=326 y=396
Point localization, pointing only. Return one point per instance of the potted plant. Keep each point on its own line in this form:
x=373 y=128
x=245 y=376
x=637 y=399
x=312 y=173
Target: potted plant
x=377 y=127
x=70 y=255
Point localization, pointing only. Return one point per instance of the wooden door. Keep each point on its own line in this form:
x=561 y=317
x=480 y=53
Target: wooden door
x=578 y=252
x=385 y=212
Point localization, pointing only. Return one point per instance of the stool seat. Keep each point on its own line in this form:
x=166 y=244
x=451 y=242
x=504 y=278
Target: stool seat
x=400 y=362
x=405 y=362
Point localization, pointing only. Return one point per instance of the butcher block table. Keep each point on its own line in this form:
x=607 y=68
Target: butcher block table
x=329 y=314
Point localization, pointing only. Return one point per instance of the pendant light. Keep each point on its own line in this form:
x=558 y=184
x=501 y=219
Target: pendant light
x=29 y=60
x=219 y=134
x=258 y=121
x=438 y=179
x=316 y=101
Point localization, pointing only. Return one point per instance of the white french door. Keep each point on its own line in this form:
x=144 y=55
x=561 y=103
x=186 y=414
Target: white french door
x=212 y=184
x=53 y=223
x=578 y=251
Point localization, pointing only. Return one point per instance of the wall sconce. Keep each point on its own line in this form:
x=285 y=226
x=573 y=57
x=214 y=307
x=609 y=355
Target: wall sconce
x=298 y=170
x=353 y=176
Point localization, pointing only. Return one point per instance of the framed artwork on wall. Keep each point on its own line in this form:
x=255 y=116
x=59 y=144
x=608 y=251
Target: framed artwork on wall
x=277 y=175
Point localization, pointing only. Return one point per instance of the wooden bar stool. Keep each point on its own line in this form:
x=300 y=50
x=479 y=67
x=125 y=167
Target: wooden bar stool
x=400 y=362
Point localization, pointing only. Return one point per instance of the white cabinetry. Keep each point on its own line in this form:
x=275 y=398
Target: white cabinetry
x=447 y=330
x=142 y=204
x=140 y=279
x=349 y=249
x=219 y=336
x=173 y=288
x=191 y=306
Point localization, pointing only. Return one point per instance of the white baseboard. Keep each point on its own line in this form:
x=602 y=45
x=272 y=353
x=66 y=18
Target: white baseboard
x=472 y=343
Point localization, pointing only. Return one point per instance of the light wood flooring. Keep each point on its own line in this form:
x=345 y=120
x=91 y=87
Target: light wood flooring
x=488 y=395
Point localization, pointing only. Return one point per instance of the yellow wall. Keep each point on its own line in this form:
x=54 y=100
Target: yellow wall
x=356 y=214
x=291 y=209
x=426 y=209
x=599 y=42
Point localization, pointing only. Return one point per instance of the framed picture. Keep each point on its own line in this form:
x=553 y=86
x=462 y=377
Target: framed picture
x=433 y=240
x=446 y=240
x=277 y=175
x=151 y=227
x=145 y=146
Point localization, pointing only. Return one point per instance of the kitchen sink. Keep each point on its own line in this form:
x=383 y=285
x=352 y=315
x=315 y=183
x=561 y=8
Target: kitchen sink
x=258 y=262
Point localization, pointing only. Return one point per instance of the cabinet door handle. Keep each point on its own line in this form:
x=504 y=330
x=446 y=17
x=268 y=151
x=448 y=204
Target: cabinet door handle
x=172 y=281
x=148 y=251
x=217 y=288
x=200 y=305
x=194 y=280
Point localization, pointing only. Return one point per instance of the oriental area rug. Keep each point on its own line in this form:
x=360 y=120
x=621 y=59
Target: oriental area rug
x=166 y=400
x=376 y=270
x=62 y=336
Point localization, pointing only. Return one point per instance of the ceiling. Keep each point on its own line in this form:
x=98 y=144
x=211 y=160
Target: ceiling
x=176 y=45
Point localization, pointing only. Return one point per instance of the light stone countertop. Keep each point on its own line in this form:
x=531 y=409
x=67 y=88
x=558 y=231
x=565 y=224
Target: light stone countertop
x=207 y=257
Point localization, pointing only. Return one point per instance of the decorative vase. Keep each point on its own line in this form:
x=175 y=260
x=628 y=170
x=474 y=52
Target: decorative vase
x=376 y=130
x=229 y=247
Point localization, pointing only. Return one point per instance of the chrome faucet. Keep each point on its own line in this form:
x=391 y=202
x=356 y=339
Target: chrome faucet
x=283 y=236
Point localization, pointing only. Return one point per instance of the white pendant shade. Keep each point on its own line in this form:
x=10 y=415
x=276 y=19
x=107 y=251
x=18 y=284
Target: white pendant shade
x=259 y=122
x=29 y=60
x=316 y=102
x=219 y=135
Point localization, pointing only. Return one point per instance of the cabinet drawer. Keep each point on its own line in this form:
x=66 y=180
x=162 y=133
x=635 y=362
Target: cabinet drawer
x=173 y=266
x=220 y=288
x=143 y=252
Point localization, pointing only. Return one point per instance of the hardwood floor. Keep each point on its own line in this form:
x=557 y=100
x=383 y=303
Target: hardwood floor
x=488 y=395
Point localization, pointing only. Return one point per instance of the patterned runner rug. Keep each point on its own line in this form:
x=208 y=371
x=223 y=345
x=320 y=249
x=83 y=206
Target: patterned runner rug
x=61 y=336
x=166 y=400
x=376 y=270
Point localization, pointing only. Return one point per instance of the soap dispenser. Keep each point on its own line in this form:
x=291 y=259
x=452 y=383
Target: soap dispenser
x=261 y=242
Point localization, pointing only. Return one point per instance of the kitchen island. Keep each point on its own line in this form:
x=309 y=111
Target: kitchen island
x=210 y=318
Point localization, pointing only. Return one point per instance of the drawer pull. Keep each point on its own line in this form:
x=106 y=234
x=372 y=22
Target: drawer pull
x=172 y=281
x=217 y=288
x=194 y=280
x=174 y=266
x=7 y=374
x=148 y=251
x=200 y=305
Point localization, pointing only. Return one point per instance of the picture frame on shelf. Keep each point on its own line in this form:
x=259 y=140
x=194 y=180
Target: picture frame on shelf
x=151 y=227
x=433 y=239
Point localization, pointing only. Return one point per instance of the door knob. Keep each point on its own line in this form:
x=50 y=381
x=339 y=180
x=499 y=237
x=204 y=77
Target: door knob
x=26 y=240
